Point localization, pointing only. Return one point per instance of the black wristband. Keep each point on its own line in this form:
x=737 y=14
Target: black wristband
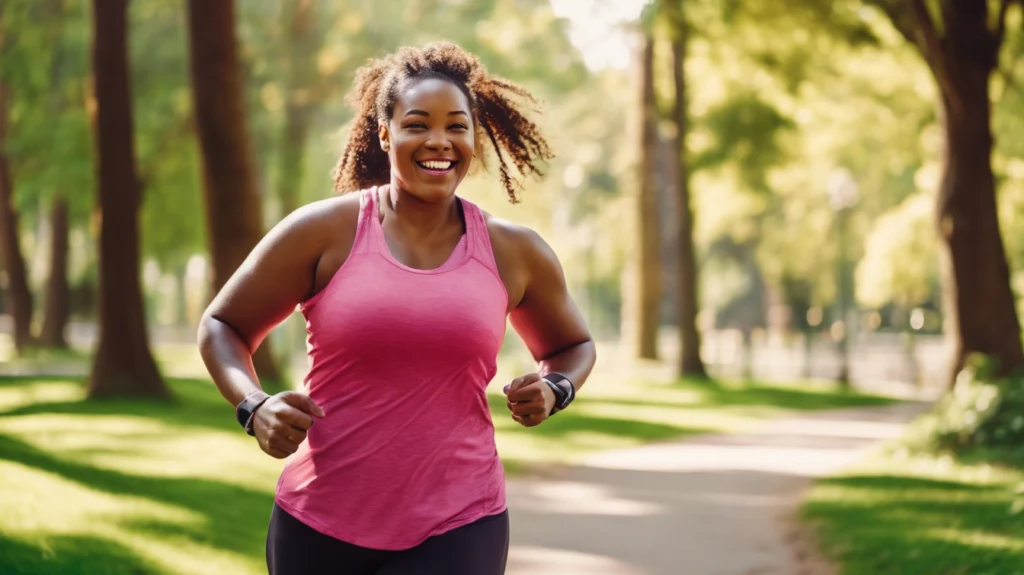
x=564 y=390
x=245 y=411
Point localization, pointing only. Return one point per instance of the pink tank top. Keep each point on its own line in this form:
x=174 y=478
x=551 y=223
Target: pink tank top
x=400 y=360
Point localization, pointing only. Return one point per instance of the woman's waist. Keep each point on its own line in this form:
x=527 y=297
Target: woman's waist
x=393 y=464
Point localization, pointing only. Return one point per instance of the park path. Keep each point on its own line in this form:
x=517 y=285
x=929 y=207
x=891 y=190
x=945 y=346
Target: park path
x=709 y=505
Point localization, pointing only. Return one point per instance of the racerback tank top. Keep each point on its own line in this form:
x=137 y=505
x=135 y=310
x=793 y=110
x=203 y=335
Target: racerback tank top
x=399 y=360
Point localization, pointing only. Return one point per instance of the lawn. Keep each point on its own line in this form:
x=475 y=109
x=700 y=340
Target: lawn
x=917 y=514
x=131 y=487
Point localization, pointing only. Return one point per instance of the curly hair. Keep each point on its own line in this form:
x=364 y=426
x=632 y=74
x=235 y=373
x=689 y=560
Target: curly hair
x=513 y=136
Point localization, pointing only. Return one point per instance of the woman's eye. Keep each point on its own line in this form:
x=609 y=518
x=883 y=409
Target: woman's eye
x=416 y=126
x=458 y=127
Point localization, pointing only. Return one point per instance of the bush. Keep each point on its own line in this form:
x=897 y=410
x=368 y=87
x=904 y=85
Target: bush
x=982 y=412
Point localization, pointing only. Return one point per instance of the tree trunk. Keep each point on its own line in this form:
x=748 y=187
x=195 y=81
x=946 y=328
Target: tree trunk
x=648 y=293
x=19 y=298
x=57 y=303
x=123 y=364
x=233 y=210
x=690 y=363
x=962 y=53
x=985 y=316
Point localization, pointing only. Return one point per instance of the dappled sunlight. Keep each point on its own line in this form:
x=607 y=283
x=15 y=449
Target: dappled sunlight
x=16 y=393
x=900 y=512
x=143 y=445
x=978 y=538
x=530 y=560
x=56 y=507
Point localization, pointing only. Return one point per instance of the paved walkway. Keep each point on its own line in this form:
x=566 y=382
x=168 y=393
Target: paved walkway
x=710 y=505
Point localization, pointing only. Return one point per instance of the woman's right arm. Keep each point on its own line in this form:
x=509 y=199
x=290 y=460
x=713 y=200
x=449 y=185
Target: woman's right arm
x=276 y=276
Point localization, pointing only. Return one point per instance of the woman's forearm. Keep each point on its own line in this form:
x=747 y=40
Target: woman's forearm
x=574 y=362
x=228 y=360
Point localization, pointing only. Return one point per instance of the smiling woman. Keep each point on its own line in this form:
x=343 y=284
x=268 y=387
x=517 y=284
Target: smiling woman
x=406 y=288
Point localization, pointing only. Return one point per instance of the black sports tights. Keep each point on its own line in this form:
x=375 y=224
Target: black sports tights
x=294 y=548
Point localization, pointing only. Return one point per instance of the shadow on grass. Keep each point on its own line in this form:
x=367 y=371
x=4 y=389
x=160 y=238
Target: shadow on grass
x=195 y=403
x=70 y=555
x=236 y=517
x=812 y=398
x=899 y=524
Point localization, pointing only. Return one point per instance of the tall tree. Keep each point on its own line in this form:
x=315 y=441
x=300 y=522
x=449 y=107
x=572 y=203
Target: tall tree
x=648 y=270
x=233 y=211
x=960 y=41
x=56 y=303
x=19 y=298
x=123 y=364
x=690 y=363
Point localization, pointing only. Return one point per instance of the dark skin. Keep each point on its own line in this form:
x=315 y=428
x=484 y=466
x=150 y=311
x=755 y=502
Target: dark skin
x=432 y=122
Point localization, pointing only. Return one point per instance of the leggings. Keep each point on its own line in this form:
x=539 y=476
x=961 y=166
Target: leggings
x=480 y=548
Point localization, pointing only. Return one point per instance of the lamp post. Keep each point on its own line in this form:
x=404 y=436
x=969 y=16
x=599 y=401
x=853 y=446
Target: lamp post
x=842 y=197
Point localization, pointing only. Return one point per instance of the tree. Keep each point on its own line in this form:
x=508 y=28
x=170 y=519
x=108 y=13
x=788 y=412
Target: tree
x=647 y=292
x=123 y=363
x=56 y=304
x=233 y=210
x=690 y=363
x=961 y=48
x=19 y=297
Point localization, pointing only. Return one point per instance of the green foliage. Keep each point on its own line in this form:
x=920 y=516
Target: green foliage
x=165 y=141
x=983 y=413
x=44 y=64
x=901 y=254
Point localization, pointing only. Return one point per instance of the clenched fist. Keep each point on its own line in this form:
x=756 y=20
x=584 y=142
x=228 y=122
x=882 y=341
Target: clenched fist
x=281 y=423
x=529 y=399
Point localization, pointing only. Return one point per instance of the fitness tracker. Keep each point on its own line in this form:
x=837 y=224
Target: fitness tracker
x=564 y=390
x=245 y=410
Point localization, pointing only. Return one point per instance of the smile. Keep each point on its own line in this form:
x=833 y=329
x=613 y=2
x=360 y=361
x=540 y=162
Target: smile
x=437 y=167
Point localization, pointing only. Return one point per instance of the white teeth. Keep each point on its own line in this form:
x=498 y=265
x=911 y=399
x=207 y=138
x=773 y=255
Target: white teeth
x=436 y=165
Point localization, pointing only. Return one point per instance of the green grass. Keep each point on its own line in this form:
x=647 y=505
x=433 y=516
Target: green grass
x=134 y=486
x=918 y=514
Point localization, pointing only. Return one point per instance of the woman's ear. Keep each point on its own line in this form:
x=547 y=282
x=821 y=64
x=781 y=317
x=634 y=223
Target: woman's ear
x=385 y=137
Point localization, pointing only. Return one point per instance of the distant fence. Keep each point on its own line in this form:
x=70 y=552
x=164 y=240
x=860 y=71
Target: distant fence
x=876 y=359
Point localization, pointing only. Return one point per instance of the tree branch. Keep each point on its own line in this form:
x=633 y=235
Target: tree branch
x=927 y=37
x=1000 y=32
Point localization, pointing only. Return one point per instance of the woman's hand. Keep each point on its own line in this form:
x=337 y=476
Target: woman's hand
x=529 y=399
x=281 y=423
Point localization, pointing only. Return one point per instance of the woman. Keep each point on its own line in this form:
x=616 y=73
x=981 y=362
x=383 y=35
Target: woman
x=405 y=288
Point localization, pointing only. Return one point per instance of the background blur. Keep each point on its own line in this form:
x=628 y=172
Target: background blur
x=819 y=147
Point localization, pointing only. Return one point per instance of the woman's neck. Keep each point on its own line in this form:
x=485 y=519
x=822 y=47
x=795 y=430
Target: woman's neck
x=415 y=216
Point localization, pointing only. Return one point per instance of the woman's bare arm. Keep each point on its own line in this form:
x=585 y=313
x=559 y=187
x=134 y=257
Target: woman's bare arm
x=277 y=275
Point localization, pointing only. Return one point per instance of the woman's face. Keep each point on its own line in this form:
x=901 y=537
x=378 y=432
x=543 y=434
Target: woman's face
x=429 y=139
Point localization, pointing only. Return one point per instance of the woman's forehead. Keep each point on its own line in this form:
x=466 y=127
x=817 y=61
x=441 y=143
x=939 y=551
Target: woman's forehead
x=431 y=93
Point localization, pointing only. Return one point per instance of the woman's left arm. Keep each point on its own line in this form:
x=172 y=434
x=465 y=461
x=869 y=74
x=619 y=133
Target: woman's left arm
x=553 y=329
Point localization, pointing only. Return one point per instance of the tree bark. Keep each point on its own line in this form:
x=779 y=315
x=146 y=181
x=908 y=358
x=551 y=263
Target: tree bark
x=19 y=297
x=56 y=307
x=123 y=364
x=233 y=210
x=690 y=363
x=648 y=293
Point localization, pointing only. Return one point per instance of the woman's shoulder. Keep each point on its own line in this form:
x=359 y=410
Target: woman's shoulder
x=328 y=215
